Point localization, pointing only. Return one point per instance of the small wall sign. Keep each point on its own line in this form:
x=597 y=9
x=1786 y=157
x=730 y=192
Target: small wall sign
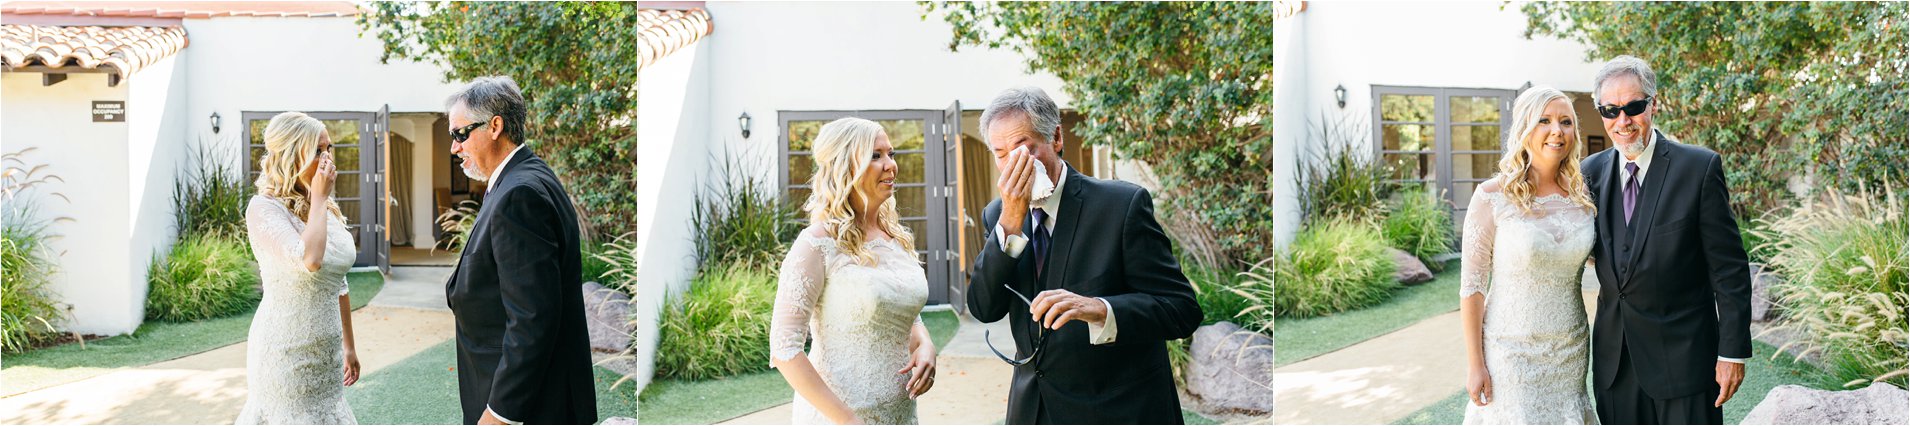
x=109 y=111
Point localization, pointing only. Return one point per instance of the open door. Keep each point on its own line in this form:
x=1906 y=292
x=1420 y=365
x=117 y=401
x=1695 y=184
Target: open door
x=381 y=137
x=952 y=210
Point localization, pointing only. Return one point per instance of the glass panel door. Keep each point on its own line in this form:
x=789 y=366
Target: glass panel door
x=358 y=189
x=919 y=171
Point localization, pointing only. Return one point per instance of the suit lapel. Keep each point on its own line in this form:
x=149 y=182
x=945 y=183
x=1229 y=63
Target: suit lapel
x=473 y=236
x=1605 y=202
x=1648 y=198
x=1065 y=225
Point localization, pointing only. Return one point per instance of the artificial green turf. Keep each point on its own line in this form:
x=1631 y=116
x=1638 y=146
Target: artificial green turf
x=1300 y=338
x=423 y=389
x=153 y=342
x=941 y=326
x=1761 y=374
x=711 y=401
x=1194 y=418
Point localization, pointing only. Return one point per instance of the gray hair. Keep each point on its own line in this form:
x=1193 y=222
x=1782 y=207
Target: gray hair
x=492 y=96
x=1028 y=101
x=1626 y=65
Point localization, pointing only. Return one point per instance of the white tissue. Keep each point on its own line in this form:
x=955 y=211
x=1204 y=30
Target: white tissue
x=1043 y=186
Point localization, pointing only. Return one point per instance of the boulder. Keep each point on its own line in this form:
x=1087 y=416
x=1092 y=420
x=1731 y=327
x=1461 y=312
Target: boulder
x=607 y=315
x=619 y=421
x=1408 y=269
x=1763 y=304
x=1879 y=404
x=1231 y=369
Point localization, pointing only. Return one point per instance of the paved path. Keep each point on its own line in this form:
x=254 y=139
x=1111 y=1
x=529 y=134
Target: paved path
x=209 y=387
x=971 y=383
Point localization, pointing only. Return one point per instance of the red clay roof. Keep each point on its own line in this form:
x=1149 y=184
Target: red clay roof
x=665 y=31
x=182 y=9
x=121 y=50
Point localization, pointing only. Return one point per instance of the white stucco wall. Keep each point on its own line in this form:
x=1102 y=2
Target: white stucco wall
x=673 y=153
x=1289 y=130
x=94 y=261
x=157 y=153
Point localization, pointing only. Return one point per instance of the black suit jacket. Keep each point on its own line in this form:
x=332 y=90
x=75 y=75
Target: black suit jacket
x=1674 y=285
x=517 y=295
x=1106 y=243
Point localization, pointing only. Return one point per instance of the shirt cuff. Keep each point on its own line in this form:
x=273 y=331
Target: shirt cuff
x=1104 y=333
x=1011 y=244
x=500 y=417
x=1736 y=360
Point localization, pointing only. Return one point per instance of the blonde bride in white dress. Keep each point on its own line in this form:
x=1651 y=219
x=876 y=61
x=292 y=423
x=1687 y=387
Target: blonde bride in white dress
x=299 y=353
x=852 y=284
x=1528 y=232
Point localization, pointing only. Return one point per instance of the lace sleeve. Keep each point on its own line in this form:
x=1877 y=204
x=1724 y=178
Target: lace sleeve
x=274 y=234
x=1475 y=268
x=798 y=290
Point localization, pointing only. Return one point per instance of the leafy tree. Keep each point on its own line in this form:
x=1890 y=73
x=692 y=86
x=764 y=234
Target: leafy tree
x=1186 y=87
x=1783 y=90
x=574 y=62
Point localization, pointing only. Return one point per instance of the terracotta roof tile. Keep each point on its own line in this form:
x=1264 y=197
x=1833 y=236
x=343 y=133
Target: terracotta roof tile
x=182 y=9
x=665 y=31
x=123 y=50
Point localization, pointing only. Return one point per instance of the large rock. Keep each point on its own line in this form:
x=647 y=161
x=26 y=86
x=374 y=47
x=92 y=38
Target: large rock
x=1763 y=306
x=1879 y=404
x=607 y=313
x=1225 y=377
x=1408 y=269
x=619 y=421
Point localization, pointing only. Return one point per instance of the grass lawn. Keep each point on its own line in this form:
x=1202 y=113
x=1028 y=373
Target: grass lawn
x=1300 y=338
x=153 y=342
x=423 y=389
x=709 y=401
x=1761 y=374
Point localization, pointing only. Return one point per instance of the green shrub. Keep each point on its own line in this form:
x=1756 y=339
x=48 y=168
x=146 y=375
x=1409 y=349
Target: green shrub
x=1417 y=222
x=614 y=264
x=1342 y=182
x=740 y=221
x=1333 y=267
x=720 y=327
x=1213 y=290
x=204 y=277
x=28 y=311
x=457 y=222
x=209 y=198
x=1843 y=259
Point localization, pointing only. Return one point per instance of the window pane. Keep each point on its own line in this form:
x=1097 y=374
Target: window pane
x=1462 y=197
x=909 y=167
x=796 y=197
x=346 y=158
x=1411 y=166
x=343 y=132
x=256 y=154
x=1406 y=108
x=801 y=168
x=801 y=133
x=919 y=227
x=1475 y=138
x=911 y=202
x=1475 y=109
x=904 y=135
x=346 y=186
x=350 y=208
x=1474 y=166
x=258 y=131
x=1407 y=137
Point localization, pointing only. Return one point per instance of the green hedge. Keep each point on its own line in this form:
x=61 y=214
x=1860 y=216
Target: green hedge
x=720 y=327
x=1333 y=267
x=1418 y=222
x=28 y=311
x=203 y=277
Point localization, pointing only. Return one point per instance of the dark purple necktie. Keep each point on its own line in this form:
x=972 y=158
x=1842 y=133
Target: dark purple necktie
x=1631 y=190
x=1040 y=240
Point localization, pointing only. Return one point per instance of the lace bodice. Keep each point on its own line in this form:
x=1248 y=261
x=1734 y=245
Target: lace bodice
x=1528 y=265
x=294 y=360
x=860 y=318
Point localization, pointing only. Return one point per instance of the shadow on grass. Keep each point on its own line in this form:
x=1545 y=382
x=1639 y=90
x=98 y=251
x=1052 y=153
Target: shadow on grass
x=423 y=389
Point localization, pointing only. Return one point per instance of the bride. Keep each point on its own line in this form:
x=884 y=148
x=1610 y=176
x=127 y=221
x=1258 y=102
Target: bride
x=852 y=283
x=1528 y=232
x=299 y=355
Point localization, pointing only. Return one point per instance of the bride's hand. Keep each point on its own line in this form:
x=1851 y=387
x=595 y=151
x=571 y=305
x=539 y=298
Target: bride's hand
x=921 y=371
x=1479 y=386
x=351 y=367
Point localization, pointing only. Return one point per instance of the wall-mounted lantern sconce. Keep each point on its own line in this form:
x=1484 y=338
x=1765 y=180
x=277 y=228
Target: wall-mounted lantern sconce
x=742 y=122
x=1339 y=95
x=215 y=122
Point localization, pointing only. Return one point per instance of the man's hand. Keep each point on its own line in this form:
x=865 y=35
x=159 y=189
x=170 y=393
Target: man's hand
x=1015 y=185
x=1054 y=308
x=1730 y=375
x=489 y=419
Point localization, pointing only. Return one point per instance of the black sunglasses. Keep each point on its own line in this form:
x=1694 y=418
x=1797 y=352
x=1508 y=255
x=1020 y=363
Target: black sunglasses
x=1632 y=109
x=1040 y=335
x=462 y=133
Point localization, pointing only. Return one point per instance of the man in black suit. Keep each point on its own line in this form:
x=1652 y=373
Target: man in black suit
x=517 y=293
x=1673 y=327
x=1106 y=290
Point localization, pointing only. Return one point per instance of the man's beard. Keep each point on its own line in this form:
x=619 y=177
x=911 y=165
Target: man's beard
x=472 y=172
x=1632 y=150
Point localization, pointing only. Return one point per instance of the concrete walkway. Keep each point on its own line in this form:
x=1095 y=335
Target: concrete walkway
x=1381 y=380
x=209 y=387
x=971 y=383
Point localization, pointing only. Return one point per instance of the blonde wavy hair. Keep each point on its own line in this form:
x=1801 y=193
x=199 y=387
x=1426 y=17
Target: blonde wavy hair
x=1515 y=166
x=841 y=155
x=291 y=142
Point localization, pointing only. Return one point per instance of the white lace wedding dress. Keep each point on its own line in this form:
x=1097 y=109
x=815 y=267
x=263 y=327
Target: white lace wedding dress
x=859 y=316
x=1536 y=338
x=294 y=364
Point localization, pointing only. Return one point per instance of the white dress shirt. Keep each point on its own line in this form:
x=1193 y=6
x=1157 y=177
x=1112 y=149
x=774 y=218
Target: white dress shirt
x=1644 y=167
x=1099 y=334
